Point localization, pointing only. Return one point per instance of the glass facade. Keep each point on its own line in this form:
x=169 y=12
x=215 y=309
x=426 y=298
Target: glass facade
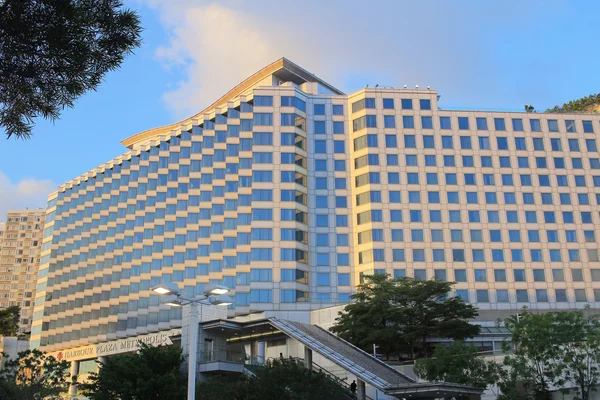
x=290 y=197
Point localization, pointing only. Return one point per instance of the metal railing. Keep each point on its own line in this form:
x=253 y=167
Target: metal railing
x=340 y=381
x=222 y=354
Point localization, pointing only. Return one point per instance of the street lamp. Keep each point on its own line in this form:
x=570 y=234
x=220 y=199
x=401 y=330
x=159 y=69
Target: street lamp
x=213 y=295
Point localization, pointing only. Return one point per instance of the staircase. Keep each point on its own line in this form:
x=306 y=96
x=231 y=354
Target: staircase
x=354 y=360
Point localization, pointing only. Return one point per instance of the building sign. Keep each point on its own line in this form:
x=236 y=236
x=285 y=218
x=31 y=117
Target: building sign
x=116 y=346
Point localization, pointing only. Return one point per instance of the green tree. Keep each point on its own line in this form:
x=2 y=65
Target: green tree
x=9 y=321
x=552 y=350
x=399 y=315
x=278 y=379
x=33 y=375
x=459 y=363
x=579 y=348
x=150 y=373
x=53 y=51
x=533 y=365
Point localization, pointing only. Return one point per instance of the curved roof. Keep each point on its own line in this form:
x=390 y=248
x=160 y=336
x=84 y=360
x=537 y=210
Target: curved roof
x=283 y=68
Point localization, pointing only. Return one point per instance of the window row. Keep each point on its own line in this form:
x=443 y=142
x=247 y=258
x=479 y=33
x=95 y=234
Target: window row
x=477 y=255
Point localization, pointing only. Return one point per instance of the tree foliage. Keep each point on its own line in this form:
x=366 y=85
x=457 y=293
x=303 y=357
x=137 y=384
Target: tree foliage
x=53 y=51
x=33 y=375
x=458 y=362
x=552 y=350
x=589 y=103
x=151 y=373
x=399 y=315
x=9 y=321
x=278 y=379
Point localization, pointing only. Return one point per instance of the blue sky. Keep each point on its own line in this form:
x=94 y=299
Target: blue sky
x=484 y=55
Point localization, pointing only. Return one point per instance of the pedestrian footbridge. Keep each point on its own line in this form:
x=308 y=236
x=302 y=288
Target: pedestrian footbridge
x=240 y=350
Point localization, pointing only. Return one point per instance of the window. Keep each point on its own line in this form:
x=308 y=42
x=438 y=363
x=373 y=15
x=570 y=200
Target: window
x=570 y=125
x=263 y=119
x=480 y=275
x=425 y=104
x=338 y=127
x=319 y=109
x=484 y=142
x=389 y=121
x=262 y=138
x=322 y=279
x=541 y=295
x=266 y=101
x=502 y=143
x=520 y=143
x=465 y=142
x=499 y=124
x=447 y=142
x=535 y=125
x=588 y=127
x=406 y=104
x=445 y=123
x=338 y=109
x=458 y=255
x=428 y=142
x=388 y=103
x=482 y=296
x=460 y=275
x=517 y=124
x=390 y=141
x=426 y=122
x=418 y=256
x=580 y=295
x=522 y=296
x=438 y=255
x=553 y=125
x=319 y=127
x=420 y=274
x=463 y=123
x=500 y=275
x=261 y=296
x=481 y=124
x=343 y=279
x=410 y=141
x=408 y=122
x=364 y=103
x=573 y=144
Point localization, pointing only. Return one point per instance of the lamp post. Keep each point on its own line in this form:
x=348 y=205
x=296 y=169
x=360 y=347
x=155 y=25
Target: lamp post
x=213 y=295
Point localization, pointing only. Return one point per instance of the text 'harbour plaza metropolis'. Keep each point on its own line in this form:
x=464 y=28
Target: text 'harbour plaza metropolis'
x=288 y=191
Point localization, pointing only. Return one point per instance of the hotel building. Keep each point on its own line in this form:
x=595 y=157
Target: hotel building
x=20 y=248
x=288 y=191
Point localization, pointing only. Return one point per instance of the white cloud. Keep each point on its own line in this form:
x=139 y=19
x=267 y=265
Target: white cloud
x=212 y=46
x=27 y=193
x=215 y=46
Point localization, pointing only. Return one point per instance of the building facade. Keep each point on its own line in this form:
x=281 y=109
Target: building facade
x=288 y=191
x=20 y=248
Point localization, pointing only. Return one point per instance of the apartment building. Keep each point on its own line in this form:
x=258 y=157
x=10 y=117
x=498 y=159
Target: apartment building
x=20 y=248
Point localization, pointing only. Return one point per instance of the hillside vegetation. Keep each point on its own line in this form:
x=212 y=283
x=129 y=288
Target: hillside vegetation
x=589 y=104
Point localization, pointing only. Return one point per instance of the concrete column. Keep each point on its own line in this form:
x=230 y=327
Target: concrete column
x=101 y=361
x=361 y=390
x=253 y=359
x=74 y=372
x=262 y=351
x=192 y=333
x=308 y=358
